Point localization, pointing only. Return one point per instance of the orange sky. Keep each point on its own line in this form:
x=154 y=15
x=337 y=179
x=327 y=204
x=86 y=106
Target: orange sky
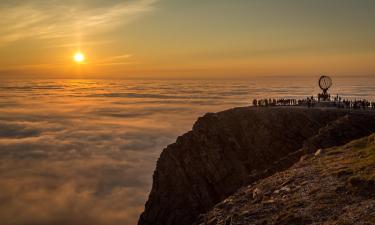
x=186 y=39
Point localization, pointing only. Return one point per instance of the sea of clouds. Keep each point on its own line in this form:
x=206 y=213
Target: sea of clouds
x=83 y=151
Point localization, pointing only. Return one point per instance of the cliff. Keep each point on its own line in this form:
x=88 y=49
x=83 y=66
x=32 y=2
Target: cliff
x=231 y=149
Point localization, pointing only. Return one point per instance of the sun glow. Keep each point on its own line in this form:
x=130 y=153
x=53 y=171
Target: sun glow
x=79 y=57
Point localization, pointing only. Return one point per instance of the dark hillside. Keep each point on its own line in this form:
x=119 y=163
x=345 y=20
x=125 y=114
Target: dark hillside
x=231 y=149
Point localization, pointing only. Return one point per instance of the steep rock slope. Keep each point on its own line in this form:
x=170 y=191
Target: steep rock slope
x=230 y=149
x=334 y=186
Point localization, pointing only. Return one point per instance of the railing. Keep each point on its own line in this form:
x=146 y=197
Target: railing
x=312 y=102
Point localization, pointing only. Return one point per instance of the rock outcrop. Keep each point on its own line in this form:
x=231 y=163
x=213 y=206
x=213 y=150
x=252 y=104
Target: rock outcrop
x=231 y=149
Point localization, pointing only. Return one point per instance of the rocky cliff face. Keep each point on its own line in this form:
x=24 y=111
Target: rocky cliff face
x=231 y=149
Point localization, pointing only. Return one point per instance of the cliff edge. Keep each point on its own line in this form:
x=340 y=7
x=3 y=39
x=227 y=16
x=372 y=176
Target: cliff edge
x=231 y=149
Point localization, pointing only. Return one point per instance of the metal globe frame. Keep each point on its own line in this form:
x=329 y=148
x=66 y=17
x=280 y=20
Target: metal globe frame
x=325 y=82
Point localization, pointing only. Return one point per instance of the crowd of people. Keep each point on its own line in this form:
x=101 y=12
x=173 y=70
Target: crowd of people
x=358 y=104
x=276 y=102
x=311 y=102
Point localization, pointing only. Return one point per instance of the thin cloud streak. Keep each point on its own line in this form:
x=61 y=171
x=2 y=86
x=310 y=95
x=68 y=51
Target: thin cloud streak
x=56 y=21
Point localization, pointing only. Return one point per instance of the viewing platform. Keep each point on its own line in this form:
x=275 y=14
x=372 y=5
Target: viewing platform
x=323 y=100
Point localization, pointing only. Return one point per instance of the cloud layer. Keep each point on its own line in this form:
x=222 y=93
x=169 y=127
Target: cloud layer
x=83 y=151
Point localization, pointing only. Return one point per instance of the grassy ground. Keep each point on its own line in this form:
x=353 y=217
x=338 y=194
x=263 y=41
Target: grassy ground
x=360 y=163
x=336 y=186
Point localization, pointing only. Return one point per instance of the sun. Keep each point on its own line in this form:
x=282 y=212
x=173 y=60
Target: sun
x=79 y=57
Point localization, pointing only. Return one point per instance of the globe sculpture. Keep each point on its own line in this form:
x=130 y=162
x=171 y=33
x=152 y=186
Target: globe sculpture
x=325 y=82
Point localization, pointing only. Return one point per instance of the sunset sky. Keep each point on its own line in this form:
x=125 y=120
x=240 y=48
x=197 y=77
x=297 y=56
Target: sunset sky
x=92 y=91
x=186 y=38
